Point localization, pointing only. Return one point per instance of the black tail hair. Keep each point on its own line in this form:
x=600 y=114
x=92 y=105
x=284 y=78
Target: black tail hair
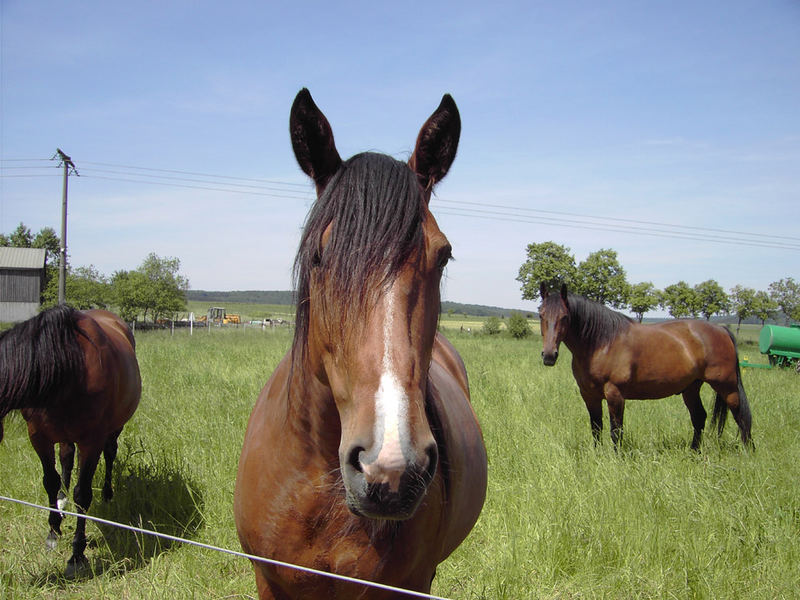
x=720 y=413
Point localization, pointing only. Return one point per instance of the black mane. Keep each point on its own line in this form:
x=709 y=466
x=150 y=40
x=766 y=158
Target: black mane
x=40 y=360
x=592 y=323
x=376 y=207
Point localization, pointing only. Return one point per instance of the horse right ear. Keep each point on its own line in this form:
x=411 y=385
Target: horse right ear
x=564 y=291
x=312 y=140
x=543 y=290
x=437 y=144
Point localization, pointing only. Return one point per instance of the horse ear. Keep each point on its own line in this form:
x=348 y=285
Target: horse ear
x=437 y=143
x=564 y=291
x=312 y=140
x=543 y=290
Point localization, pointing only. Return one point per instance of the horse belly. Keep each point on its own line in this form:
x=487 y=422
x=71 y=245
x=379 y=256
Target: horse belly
x=655 y=369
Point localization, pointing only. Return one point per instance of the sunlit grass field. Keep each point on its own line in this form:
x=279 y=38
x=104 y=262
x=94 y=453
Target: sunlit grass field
x=563 y=518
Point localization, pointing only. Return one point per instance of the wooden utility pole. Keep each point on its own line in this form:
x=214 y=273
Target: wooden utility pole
x=69 y=166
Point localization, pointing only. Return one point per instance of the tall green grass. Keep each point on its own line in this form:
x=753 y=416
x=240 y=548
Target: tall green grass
x=563 y=518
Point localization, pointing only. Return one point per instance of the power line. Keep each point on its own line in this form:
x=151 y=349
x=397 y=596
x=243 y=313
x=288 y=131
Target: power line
x=613 y=229
x=476 y=210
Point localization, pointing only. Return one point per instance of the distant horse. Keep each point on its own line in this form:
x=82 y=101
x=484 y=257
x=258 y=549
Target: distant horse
x=75 y=377
x=615 y=358
x=363 y=455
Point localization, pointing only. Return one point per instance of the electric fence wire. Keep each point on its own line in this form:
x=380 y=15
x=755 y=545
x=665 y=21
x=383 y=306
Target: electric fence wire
x=235 y=553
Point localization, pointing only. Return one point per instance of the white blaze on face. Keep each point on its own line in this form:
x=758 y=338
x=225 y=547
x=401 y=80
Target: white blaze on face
x=391 y=404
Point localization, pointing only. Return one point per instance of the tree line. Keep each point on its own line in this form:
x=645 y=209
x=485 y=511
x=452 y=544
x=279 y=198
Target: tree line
x=155 y=290
x=602 y=278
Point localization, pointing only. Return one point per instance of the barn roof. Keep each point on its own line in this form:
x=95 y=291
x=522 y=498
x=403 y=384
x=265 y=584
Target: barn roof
x=22 y=258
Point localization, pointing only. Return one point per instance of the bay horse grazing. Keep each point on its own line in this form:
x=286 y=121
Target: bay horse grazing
x=75 y=377
x=615 y=358
x=363 y=455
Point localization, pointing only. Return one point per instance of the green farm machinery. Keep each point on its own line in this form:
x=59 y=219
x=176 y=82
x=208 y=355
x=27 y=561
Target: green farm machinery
x=781 y=345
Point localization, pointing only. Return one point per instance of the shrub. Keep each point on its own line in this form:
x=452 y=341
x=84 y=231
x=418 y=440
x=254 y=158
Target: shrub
x=518 y=326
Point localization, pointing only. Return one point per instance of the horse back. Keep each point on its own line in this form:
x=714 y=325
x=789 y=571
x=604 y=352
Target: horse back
x=659 y=359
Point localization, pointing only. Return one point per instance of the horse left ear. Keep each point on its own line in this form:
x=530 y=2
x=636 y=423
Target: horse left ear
x=564 y=291
x=437 y=143
x=543 y=290
x=312 y=140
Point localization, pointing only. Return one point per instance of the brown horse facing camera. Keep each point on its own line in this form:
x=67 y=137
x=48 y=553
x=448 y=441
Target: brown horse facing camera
x=363 y=456
x=75 y=377
x=615 y=358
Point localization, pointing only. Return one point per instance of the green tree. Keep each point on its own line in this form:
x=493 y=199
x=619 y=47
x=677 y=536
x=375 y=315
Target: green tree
x=87 y=288
x=128 y=293
x=643 y=298
x=547 y=262
x=155 y=288
x=680 y=300
x=786 y=294
x=491 y=326
x=21 y=237
x=743 y=301
x=518 y=326
x=601 y=278
x=711 y=298
x=764 y=307
x=166 y=292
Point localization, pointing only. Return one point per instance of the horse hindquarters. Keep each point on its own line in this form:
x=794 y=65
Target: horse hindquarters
x=730 y=395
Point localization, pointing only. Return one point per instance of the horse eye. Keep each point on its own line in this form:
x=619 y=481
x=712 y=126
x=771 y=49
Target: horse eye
x=445 y=256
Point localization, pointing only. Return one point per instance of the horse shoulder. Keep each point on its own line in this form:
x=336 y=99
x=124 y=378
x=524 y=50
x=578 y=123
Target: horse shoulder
x=280 y=477
x=463 y=462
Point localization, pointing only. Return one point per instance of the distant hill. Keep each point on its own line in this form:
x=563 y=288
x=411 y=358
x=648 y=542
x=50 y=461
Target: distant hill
x=479 y=310
x=286 y=297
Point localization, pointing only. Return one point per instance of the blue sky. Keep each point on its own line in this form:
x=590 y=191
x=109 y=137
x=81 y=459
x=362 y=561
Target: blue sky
x=668 y=131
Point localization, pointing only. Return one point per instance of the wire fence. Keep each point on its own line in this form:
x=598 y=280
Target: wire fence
x=234 y=553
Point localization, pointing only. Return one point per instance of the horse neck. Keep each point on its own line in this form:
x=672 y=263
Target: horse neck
x=310 y=410
x=580 y=323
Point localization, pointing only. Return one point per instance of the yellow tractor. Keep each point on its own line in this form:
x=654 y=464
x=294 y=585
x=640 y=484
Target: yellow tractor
x=218 y=316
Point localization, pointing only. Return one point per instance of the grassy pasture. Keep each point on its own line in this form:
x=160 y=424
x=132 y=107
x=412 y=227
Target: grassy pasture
x=562 y=519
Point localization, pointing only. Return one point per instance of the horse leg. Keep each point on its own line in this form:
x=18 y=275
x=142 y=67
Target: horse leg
x=691 y=398
x=616 y=412
x=595 y=407
x=741 y=413
x=66 y=455
x=83 y=499
x=110 y=454
x=52 y=483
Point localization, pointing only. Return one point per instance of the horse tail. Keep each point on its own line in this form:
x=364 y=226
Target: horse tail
x=721 y=407
x=41 y=360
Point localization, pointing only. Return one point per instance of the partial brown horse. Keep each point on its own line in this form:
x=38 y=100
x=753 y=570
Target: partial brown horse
x=363 y=456
x=75 y=377
x=615 y=358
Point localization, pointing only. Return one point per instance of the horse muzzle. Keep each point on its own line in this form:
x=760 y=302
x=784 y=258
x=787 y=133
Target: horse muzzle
x=375 y=492
x=549 y=358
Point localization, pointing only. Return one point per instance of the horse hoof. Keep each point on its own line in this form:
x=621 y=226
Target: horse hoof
x=52 y=541
x=77 y=566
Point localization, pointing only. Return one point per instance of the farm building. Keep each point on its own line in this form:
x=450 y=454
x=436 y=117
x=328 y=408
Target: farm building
x=21 y=280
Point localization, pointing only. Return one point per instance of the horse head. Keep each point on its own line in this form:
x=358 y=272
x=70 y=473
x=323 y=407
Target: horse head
x=368 y=272
x=554 y=319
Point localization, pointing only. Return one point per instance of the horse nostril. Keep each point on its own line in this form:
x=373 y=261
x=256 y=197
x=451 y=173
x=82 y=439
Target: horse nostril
x=353 y=458
x=555 y=354
x=542 y=353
